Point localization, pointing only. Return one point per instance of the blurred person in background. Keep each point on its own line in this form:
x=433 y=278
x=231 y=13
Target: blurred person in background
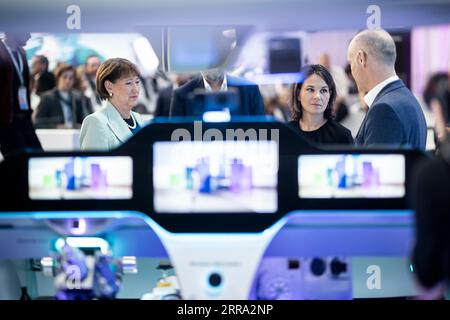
x=340 y=108
x=437 y=98
x=430 y=202
x=90 y=70
x=274 y=107
x=357 y=107
x=81 y=84
x=165 y=94
x=352 y=88
x=62 y=107
x=42 y=80
x=214 y=80
x=16 y=127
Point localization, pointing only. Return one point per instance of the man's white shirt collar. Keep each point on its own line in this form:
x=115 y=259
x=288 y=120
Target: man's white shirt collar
x=369 y=98
x=223 y=87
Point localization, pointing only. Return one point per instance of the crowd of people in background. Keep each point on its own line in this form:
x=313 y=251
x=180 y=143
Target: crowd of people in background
x=54 y=88
x=64 y=96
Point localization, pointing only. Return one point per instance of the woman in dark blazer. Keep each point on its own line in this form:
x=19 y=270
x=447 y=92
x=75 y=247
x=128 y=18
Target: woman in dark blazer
x=62 y=107
x=313 y=97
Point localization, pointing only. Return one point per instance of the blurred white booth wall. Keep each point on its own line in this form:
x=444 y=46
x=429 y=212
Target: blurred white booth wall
x=59 y=139
x=66 y=139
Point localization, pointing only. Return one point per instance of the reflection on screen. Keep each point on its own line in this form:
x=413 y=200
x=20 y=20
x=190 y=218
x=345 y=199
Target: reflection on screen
x=215 y=176
x=80 y=178
x=351 y=176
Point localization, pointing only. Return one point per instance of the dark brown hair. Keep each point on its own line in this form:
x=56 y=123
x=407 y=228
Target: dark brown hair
x=305 y=73
x=61 y=68
x=112 y=70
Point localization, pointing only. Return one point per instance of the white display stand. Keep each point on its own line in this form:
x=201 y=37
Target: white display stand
x=59 y=139
x=216 y=266
x=66 y=139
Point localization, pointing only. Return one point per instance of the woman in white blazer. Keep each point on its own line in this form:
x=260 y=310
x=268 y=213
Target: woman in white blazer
x=117 y=82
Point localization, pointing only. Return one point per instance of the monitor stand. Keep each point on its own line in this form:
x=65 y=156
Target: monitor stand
x=216 y=265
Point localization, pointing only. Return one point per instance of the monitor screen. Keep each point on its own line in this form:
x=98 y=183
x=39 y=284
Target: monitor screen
x=215 y=176
x=67 y=178
x=351 y=176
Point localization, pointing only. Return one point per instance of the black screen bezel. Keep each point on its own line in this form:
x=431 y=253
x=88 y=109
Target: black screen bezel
x=14 y=169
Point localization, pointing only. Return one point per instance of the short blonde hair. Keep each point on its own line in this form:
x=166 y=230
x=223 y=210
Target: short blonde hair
x=112 y=70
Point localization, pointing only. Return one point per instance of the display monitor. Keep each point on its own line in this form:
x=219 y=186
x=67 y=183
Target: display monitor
x=215 y=176
x=351 y=176
x=68 y=178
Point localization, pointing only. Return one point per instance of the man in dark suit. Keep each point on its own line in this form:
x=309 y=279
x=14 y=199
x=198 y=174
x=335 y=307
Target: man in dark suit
x=251 y=102
x=165 y=95
x=163 y=102
x=42 y=79
x=16 y=129
x=395 y=117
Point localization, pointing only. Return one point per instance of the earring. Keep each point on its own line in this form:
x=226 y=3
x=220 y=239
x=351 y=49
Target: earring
x=110 y=94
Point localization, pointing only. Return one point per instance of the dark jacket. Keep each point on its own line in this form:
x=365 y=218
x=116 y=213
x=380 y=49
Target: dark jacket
x=395 y=118
x=163 y=102
x=430 y=203
x=8 y=96
x=45 y=82
x=251 y=102
x=49 y=112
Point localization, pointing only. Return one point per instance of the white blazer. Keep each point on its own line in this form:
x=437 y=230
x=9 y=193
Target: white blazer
x=105 y=129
